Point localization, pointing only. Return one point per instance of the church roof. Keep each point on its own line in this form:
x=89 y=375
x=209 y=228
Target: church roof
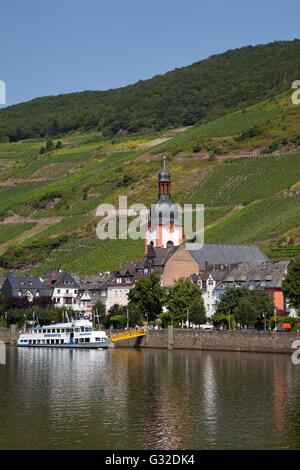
x=228 y=254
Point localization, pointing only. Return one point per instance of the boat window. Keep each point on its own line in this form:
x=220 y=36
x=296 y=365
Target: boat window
x=82 y=328
x=62 y=330
x=86 y=340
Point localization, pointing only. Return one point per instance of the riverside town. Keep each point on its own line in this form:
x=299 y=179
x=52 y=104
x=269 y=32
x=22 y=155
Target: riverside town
x=150 y=229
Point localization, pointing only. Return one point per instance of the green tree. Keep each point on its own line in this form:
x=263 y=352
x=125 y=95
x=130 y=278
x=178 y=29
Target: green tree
x=49 y=145
x=99 y=311
x=245 y=313
x=134 y=315
x=197 y=312
x=148 y=295
x=291 y=284
x=263 y=303
x=181 y=297
x=230 y=300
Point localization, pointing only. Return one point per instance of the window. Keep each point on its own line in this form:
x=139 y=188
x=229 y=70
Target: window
x=58 y=291
x=128 y=280
x=263 y=283
x=252 y=285
x=19 y=293
x=119 y=280
x=237 y=284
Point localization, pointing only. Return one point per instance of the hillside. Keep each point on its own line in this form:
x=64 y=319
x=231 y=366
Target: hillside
x=244 y=166
x=198 y=93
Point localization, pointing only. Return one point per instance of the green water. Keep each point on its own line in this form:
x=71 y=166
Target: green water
x=148 y=399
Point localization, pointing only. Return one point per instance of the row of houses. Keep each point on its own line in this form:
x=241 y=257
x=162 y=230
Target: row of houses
x=212 y=267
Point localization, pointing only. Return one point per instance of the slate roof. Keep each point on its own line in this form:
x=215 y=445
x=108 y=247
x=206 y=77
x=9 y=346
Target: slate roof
x=272 y=273
x=228 y=254
x=66 y=280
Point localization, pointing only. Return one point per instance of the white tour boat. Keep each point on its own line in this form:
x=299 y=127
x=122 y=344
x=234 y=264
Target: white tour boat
x=75 y=334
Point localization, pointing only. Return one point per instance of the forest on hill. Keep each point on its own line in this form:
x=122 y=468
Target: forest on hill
x=185 y=96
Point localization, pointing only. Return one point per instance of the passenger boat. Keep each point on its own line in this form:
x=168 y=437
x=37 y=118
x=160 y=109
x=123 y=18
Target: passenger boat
x=75 y=334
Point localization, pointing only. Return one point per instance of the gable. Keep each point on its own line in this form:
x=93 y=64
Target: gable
x=180 y=264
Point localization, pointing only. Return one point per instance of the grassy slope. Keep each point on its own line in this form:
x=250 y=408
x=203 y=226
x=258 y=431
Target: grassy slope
x=249 y=200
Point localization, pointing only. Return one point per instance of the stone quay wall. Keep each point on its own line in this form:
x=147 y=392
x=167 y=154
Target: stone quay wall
x=251 y=341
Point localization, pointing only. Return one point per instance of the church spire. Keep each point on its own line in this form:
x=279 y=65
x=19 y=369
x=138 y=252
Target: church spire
x=164 y=182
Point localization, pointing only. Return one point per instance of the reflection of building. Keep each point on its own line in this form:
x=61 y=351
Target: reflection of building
x=164 y=230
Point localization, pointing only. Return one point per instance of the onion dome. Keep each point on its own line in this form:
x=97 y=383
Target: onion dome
x=164 y=175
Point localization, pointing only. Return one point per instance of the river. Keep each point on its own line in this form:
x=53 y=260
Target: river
x=148 y=399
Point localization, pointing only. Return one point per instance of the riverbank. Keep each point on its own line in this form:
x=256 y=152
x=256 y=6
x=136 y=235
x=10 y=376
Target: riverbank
x=251 y=341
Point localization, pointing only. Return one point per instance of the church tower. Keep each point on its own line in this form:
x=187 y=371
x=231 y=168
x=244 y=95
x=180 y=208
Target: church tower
x=163 y=230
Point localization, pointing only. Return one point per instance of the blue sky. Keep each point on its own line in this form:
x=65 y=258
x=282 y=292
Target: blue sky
x=53 y=47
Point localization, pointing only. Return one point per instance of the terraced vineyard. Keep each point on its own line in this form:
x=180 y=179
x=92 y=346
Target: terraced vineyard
x=48 y=200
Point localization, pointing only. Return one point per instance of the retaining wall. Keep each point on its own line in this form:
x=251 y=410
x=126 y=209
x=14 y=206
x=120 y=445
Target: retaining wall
x=280 y=342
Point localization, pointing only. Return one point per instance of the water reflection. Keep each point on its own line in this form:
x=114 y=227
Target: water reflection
x=148 y=399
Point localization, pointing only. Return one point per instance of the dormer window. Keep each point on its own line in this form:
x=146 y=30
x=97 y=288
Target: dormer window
x=119 y=280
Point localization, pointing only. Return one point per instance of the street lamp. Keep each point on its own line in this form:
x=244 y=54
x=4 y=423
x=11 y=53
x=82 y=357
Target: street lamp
x=265 y=317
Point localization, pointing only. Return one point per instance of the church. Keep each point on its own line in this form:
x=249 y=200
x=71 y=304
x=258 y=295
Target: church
x=164 y=230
